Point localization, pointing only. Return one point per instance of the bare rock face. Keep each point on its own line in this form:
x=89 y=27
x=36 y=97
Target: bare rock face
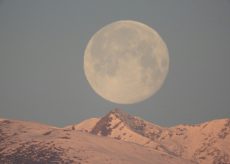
x=115 y=138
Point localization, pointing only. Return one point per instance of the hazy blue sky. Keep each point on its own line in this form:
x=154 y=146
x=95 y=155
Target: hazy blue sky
x=41 y=59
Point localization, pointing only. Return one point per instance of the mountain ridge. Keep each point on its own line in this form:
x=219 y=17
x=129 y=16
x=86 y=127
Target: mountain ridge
x=202 y=143
x=26 y=142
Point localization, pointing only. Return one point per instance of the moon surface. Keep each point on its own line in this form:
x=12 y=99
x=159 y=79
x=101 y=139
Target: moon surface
x=126 y=62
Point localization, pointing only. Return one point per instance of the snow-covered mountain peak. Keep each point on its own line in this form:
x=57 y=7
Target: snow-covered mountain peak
x=204 y=143
x=27 y=142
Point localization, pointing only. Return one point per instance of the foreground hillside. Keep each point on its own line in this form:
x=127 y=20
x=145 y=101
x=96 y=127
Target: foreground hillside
x=32 y=143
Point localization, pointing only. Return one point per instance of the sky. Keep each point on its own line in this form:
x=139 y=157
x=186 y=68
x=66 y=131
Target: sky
x=42 y=47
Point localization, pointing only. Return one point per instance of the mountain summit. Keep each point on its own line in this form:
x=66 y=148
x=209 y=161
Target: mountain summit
x=115 y=138
x=207 y=142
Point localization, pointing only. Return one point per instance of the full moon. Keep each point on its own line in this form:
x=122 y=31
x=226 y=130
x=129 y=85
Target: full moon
x=126 y=62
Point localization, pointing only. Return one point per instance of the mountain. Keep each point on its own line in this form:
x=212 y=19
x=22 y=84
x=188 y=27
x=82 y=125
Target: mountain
x=115 y=138
x=32 y=143
x=203 y=143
